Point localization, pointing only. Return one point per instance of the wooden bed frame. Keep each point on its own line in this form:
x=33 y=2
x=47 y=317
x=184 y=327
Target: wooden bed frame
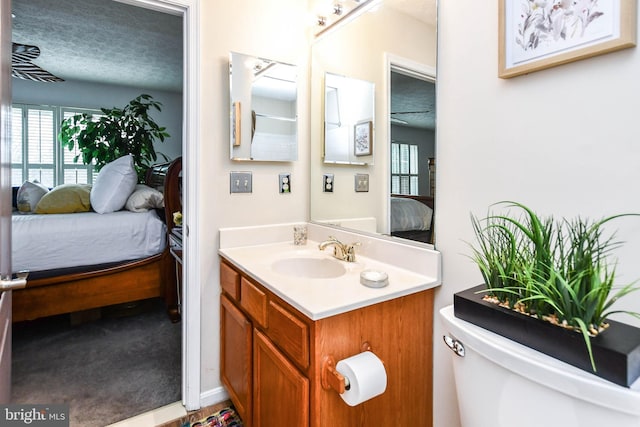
x=418 y=235
x=126 y=282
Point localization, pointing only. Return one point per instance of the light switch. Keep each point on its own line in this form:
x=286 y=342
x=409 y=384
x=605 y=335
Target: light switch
x=240 y=182
x=361 y=182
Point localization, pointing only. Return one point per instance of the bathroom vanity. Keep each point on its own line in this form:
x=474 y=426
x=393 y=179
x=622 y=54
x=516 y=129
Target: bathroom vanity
x=282 y=326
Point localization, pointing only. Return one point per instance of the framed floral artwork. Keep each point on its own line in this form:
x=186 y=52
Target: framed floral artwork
x=539 y=34
x=362 y=138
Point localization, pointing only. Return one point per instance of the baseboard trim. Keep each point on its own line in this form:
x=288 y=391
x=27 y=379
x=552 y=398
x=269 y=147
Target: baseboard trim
x=213 y=396
x=154 y=417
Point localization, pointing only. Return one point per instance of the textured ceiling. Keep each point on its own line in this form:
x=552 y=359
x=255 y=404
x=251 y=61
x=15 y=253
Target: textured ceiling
x=102 y=41
x=413 y=101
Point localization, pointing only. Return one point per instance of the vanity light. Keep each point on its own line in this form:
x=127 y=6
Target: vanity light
x=339 y=12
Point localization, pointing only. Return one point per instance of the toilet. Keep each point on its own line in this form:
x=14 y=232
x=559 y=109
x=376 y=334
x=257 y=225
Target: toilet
x=501 y=383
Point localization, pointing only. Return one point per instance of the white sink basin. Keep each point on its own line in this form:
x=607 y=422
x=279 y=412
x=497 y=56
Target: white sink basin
x=311 y=268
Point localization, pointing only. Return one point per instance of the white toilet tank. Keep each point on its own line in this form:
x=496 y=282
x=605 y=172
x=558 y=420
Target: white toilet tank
x=501 y=383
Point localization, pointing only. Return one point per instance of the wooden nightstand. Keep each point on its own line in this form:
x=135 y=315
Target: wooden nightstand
x=175 y=247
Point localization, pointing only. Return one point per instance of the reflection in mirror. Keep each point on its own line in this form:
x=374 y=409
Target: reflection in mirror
x=412 y=164
x=263 y=109
x=396 y=32
x=348 y=107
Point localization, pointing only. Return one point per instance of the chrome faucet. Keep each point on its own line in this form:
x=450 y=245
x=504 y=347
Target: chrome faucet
x=340 y=250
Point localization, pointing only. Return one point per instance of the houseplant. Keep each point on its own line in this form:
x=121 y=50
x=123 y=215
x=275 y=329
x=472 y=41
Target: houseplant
x=550 y=285
x=115 y=133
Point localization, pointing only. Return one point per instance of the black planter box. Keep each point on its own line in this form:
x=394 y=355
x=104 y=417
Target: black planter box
x=616 y=351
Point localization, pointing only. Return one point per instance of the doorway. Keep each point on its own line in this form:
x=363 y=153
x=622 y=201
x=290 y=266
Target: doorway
x=412 y=157
x=187 y=10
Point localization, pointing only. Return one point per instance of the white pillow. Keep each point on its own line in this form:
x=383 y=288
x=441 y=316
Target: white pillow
x=113 y=186
x=29 y=194
x=144 y=198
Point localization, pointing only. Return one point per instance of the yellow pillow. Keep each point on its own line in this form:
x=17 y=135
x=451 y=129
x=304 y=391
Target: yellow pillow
x=65 y=198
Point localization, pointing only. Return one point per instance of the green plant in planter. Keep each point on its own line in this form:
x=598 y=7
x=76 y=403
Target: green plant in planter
x=559 y=271
x=119 y=131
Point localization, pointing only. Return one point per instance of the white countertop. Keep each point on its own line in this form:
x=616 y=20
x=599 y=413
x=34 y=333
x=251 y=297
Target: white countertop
x=321 y=298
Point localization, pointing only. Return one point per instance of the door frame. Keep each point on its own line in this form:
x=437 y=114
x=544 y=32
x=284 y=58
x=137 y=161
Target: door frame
x=5 y=198
x=414 y=69
x=191 y=310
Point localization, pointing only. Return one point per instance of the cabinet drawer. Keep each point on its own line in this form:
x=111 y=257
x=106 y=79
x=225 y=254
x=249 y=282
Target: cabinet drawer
x=253 y=301
x=230 y=281
x=289 y=333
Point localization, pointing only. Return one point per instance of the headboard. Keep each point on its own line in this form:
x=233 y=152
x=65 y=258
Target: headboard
x=167 y=177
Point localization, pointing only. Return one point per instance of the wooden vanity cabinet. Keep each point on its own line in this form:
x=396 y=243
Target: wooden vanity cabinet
x=272 y=358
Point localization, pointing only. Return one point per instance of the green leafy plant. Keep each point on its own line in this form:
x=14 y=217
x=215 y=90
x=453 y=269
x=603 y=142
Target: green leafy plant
x=559 y=271
x=115 y=133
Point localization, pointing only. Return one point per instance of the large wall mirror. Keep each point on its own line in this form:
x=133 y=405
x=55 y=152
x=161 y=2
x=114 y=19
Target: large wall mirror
x=392 y=46
x=263 y=109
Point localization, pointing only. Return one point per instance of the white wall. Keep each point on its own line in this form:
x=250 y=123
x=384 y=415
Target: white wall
x=94 y=95
x=564 y=141
x=274 y=29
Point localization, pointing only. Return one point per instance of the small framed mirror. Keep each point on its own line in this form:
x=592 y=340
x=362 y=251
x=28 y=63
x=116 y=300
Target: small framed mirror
x=348 y=120
x=263 y=109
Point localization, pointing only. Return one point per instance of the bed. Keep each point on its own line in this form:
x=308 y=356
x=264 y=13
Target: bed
x=94 y=260
x=412 y=217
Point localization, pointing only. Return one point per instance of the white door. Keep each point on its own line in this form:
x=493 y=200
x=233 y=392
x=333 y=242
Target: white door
x=6 y=281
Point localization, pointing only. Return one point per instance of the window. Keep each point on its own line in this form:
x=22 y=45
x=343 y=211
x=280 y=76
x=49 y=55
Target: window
x=404 y=168
x=36 y=153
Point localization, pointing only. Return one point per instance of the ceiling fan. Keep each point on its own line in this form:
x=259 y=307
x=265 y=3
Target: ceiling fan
x=23 y=68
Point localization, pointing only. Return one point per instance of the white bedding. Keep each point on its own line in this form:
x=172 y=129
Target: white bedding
x=44 y=242
x=408 y=214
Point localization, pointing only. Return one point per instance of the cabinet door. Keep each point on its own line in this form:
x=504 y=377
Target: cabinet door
x=281 y=392
x=235 y=357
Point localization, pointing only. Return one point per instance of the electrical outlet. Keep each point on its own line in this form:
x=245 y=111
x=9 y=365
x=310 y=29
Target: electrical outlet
x=240 y=182
x=361 y=182
x=284 y=183
x=327 y=183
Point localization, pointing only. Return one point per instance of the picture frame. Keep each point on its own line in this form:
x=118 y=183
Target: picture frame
x=534 y=38
x=362 y=138
x=236 y=124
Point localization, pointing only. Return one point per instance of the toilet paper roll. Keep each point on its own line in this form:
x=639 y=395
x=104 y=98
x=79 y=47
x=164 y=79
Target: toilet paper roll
x=367 y=377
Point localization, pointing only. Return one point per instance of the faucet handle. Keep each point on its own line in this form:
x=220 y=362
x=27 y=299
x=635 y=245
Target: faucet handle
x=352 y=246
x=350 y=251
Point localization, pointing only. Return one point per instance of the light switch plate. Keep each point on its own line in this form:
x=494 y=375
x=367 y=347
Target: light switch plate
x=361 y=182
x=327 y=183
x=240 y=182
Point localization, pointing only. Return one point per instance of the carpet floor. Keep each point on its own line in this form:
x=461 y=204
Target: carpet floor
x=123 y=364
